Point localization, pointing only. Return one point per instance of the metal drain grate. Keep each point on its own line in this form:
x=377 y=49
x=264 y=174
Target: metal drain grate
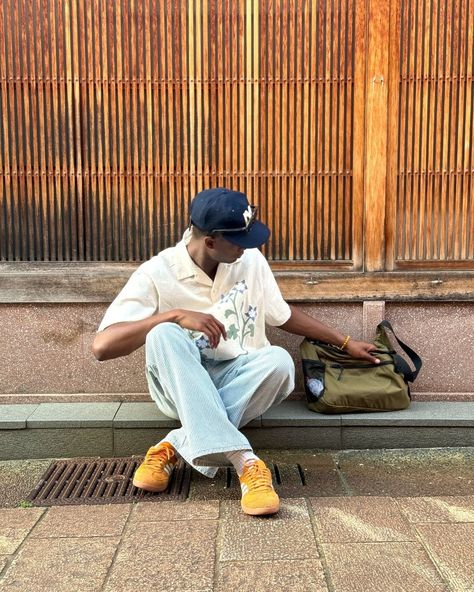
x=289 y=479
x=102 y=481
x=282 y=475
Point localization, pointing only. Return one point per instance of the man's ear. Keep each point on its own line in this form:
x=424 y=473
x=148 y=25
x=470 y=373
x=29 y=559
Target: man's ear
x=210 y=242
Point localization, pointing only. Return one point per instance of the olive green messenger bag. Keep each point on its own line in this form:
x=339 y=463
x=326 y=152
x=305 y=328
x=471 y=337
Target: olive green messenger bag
x=337 y=383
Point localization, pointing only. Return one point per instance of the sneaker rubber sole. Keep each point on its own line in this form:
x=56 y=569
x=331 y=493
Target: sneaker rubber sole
x=261 y=511
x=148 y=487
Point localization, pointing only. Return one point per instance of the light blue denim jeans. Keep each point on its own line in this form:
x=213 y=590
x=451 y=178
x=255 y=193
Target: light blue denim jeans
x=212 y=399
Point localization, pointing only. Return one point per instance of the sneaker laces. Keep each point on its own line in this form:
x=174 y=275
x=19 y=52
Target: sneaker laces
x=258 y=477
x=157 y=459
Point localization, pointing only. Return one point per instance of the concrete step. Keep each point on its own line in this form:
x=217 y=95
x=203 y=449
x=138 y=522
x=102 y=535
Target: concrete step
x=62 y=430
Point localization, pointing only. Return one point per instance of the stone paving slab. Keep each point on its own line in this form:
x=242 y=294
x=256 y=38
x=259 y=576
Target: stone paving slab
x=142 y=415
x=437 y=413
x=360 y=520
x=276 y=576
x=18 y=478
x=432 y=472
x=267 y=539
x=145 y=512
x=381 y=567
x=73 y=415
x=15 y=524
x=290 y=509
x=176 y=556
x=83 y=521
x=451 y=548
x=61 y=565
x=438 y=509
x=14 y=417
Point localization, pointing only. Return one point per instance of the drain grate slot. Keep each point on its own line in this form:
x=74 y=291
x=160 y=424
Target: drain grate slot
x=102 y=481
x=276 y=472
x=301 y=473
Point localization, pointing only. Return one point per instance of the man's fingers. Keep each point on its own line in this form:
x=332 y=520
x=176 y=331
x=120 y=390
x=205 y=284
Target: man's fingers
x=214 y=335
x=218 y=329
x=222 y=329
x=206 y=324
x=215 y=330
x=373 y=359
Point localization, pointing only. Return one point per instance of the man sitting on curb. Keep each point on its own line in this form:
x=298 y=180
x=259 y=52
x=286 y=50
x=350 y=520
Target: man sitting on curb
x=201 y=308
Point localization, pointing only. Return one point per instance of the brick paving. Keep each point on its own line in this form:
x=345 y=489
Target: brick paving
x=340 y=540
x=315 y=544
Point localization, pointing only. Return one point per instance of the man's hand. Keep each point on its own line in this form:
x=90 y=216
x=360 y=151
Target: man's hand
x=205 y=323
x=360 y=350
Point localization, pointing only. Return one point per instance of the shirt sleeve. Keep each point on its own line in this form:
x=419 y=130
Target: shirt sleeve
x=277 y=310
x=137 y=300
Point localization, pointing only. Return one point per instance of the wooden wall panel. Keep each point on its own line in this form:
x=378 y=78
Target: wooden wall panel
x=115 y=113
x=432 y=150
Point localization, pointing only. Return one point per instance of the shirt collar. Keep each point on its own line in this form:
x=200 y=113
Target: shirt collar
x=185 y=266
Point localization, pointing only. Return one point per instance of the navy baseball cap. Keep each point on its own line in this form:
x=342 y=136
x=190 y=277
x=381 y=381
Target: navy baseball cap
x=228 y=212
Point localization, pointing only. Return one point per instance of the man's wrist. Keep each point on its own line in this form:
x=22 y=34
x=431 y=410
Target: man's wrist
x=174 y=315
x=170 y=316
x=344 y=344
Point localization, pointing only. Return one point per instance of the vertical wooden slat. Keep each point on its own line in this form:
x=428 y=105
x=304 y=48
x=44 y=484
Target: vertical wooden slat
x=192 y=100
x=358 y=147
x=376 y=143
x=276 y=123
x=5 y=241
x=468 y=160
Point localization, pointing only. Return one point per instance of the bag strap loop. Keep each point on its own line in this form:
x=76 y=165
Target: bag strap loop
x=401 y=365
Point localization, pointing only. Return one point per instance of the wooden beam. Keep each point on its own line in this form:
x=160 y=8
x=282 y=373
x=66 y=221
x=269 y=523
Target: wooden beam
x=376 y=133
x=101 y=282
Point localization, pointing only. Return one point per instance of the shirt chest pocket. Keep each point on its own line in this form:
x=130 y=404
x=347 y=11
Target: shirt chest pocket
x=178 y=296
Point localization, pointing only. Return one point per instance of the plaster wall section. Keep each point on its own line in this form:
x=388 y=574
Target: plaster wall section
x=46 y=349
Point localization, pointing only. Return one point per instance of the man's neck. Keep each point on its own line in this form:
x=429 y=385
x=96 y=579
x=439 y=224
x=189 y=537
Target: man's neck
x=201 y=259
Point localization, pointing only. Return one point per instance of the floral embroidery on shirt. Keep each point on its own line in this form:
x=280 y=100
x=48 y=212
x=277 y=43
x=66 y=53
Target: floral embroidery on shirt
x=202 y=342
x=244 y=322
x=252 y=313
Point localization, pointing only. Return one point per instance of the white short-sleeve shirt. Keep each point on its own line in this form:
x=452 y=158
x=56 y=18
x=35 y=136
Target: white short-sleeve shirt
x=244 y=297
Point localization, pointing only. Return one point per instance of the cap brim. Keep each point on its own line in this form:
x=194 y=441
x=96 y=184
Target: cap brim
x=257 y=235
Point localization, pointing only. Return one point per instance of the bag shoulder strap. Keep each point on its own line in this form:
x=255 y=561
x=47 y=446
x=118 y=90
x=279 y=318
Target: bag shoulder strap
x=407 y=372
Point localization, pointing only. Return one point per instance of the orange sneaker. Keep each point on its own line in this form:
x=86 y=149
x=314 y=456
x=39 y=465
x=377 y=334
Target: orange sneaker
x=258 y=495
x=154 y=472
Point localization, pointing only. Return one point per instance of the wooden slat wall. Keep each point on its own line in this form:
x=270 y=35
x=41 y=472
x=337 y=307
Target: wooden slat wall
x=116 y=112
x=435 y=208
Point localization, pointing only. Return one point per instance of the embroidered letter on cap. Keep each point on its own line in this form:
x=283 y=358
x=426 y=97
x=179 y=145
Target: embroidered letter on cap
x=248 y=215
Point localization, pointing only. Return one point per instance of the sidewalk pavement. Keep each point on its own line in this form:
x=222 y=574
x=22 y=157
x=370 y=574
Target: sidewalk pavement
x=371 y=521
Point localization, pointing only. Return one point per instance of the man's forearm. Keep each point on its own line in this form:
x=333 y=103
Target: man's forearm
x=122 y=339
x=302 y=324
